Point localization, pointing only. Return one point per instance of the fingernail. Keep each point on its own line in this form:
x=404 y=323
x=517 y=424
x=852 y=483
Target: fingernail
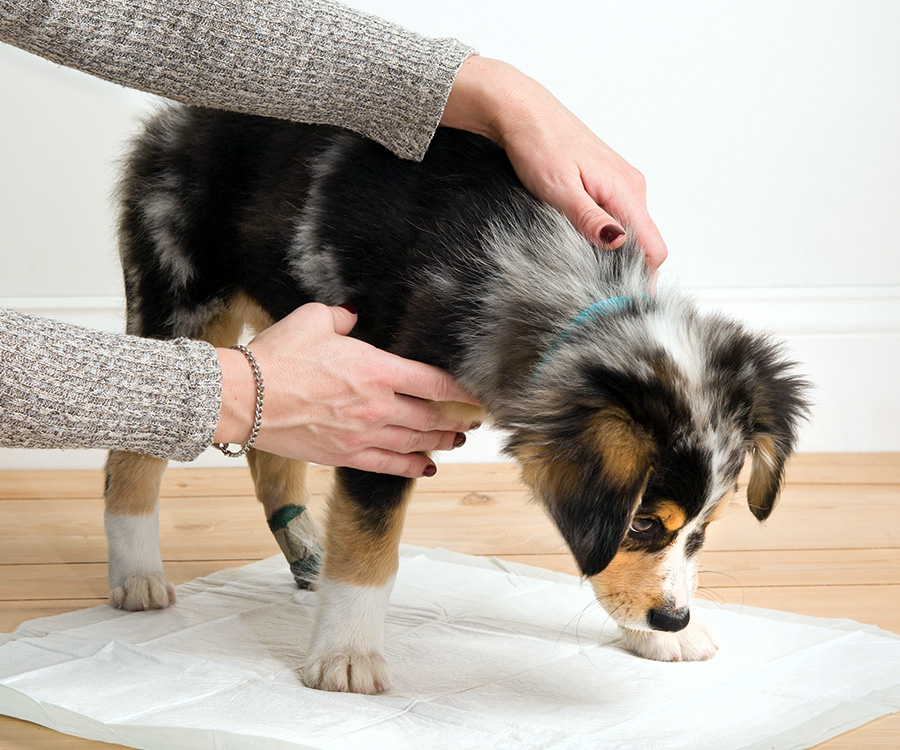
x=459 y=440
x=610 y=233
x=429 y=471
x=349 y=308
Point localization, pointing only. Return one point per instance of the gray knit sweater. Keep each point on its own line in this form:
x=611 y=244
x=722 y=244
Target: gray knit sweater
x=62 y=386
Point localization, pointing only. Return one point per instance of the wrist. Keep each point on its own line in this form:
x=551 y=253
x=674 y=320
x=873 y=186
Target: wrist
x=478 y=96
x=496 y=100
x=238 y=398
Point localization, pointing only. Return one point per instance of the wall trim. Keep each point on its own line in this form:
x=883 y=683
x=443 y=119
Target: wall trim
x=811 y=311
x=846 y=339
x=790 y=311
x=103 y=313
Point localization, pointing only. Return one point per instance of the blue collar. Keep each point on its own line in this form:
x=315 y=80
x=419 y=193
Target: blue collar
x=598 y=310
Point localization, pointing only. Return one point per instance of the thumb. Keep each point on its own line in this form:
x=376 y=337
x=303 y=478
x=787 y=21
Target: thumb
x=593 y=222
x=344 y=318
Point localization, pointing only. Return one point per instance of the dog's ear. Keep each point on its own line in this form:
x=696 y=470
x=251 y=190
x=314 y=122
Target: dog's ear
x=766 y=474
x=772 y=399
x=592 y=485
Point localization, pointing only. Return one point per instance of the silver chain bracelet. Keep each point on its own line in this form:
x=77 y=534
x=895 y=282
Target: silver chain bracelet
x=257 y=415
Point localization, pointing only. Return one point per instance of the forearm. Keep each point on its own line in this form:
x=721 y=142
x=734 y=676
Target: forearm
x=62 y=386
x=311 y=61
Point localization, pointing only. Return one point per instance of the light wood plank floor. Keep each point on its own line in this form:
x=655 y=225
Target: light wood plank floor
x=832 y=548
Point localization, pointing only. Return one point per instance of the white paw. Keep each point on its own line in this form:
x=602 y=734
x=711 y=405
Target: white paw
x=347 y=646
x=348 y=673
x=143 y=591
x=695 y=643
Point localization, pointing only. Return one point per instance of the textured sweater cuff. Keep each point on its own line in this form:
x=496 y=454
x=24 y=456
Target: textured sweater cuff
x=63 y=386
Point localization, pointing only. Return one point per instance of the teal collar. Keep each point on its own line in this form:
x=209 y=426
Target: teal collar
x=598 y=310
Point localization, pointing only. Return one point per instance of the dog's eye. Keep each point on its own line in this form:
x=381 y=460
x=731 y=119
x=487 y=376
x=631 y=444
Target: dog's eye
x=644 y=525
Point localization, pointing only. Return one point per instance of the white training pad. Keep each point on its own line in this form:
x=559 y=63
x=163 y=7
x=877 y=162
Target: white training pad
x=485 y=654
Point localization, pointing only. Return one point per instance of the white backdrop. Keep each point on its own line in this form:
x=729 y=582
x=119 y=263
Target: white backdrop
x=768 y=133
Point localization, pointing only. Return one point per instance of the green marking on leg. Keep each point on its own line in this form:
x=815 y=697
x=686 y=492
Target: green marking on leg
x=296 y=534
x=284 y=515
x=306 y=569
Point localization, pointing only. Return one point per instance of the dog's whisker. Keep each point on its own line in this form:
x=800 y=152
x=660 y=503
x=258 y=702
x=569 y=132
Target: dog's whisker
x=740 y=586
x=575 y=618
x=578 y=634
x=720 y=573
x=711 y=595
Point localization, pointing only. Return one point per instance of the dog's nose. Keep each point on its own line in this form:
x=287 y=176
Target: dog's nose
x=670 y=621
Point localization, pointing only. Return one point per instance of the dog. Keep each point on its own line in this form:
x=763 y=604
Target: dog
x=629 y=412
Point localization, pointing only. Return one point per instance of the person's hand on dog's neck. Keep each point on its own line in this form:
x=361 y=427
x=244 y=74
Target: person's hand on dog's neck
x=557 y=158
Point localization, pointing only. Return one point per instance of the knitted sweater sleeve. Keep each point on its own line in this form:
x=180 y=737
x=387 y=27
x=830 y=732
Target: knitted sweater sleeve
x=313 y=61
x=63 y=386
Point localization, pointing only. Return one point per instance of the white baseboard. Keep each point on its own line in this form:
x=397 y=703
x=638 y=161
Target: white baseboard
x=847 y=340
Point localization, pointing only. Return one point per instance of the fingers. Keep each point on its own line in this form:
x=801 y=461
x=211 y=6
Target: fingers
x=631 y=206
x=654 y=246
x=403 y=452
x=402 y=440
x=423 y=381
x=592 y=221
x=409 y=377
x=625 y=198
x=411 y=465
x=344 y=317
x=423 y=416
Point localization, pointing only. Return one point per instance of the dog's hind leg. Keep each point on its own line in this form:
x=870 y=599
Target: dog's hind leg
x=365 y=518
x=136 y=577
x=281 y=487
x=137 y=580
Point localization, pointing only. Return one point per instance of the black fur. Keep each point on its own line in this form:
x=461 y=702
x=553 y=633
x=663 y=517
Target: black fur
x=449 y=261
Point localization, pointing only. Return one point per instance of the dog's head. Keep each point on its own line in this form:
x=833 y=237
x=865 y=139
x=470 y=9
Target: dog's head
x=633 y=438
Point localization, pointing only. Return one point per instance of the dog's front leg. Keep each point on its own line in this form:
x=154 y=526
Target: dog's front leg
x=365 y=518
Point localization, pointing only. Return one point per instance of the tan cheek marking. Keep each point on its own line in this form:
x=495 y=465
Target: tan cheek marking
x=672 y=516
x=632 y=578
x=357 y=554
x=132 y=483
x=625 y=449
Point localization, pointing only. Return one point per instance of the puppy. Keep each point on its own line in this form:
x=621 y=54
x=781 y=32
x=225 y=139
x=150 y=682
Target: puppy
x=630 y=413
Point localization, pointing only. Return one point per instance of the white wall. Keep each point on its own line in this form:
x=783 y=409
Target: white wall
x=768 y=133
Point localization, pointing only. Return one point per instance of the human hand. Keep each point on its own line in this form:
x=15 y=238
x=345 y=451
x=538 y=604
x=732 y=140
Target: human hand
x=557 y=158
x=338 y=401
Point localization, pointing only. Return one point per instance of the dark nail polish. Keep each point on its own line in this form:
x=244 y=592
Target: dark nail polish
x=430 y=470
x=459 y=440
x=609 y=234
x=349 y=308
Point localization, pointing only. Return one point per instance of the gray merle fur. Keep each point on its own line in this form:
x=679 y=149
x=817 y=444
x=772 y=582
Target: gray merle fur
x=451 y=262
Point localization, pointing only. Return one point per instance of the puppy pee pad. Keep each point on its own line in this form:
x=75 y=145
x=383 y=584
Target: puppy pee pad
x=484 y=653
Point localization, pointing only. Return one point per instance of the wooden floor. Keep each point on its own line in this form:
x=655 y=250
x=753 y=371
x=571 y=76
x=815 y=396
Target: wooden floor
x=831 y=549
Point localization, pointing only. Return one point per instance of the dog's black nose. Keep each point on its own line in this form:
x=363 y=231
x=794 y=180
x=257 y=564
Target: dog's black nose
x=670 y=621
